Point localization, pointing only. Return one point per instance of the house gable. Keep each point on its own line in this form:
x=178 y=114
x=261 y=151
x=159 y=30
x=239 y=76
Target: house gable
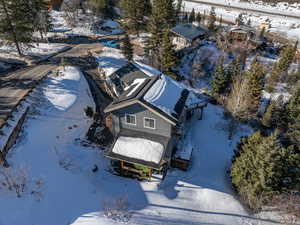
x=140 y=112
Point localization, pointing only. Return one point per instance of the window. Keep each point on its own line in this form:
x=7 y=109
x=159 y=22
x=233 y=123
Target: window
x=130 y=119
x=149 y=123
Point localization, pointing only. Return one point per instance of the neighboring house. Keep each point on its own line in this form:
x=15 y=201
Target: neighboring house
x=242 y=33
x=188 y=35
x=147 y=122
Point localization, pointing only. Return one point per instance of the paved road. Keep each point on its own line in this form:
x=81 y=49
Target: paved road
x=16 y=86
x=244 y=9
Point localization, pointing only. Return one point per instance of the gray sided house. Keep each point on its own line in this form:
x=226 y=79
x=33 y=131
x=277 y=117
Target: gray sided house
x=147 y=123
x=188 y=35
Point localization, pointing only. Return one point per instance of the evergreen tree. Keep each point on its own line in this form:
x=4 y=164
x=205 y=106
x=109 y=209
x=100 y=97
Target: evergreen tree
x=16 y=22
x=295 y=76
x=178 y=9
x=127 y=48
x=281 y=67
x=185 y=18
x=255 y=86
x=135 y=12
x=162 y=17
x=168 y=55
x=220 y=80
x=192 y=17
x=268 y=118
x=258 y=168
x=42 y=22
x=293 y=116
x=262 y=33
x=212 y=19
x=102 y=8
x=240 y=20
x=235 y=68
x=198 y=18
x=249 y=22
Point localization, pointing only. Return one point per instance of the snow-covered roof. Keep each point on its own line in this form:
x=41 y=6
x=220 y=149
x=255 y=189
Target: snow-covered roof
x=111 y=60
x=165 y=94
x=189 y=31
x=139 y=148
x=243 y=28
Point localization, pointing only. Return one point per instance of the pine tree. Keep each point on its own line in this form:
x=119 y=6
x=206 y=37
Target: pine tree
x=268 y=118
x=258 y=168
x=220 y=79
x=100 y=7
x=192 y=17
x=127 y=48
x=162 y=17
x=295 y=76
x=204 y=18
x=212 y=19
x=255 y=86
x=168 y=55
x=293 y=116
x=16 y=22
x=235 y=69
x=240 y=20
x=185 y=18
x=198 y=18
x=281 y=67
x=249 y=22
x=178 y=9
x=42 y=21
x=262 y=33
x=135 y=12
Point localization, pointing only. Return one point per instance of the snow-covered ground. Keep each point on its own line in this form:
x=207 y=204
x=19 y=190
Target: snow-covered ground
x=289 y=27
x=71 y=193
x=84 y=27
x=39 y=50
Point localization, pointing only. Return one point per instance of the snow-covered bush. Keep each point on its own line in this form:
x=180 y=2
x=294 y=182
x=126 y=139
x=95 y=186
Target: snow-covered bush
x=14 y=180
x=117 y=210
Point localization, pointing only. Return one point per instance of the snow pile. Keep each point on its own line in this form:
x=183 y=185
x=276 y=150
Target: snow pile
x=139 y=148
x=62 y=93
x=110 y=60
x=164 y=94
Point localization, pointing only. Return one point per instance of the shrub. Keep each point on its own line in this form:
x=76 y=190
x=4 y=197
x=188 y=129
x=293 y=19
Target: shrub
x=89 y=112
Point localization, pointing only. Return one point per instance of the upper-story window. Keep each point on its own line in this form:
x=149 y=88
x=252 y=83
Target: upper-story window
x=149 y=123
x=130 y=119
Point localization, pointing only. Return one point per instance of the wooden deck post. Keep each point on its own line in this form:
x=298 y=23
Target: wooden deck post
x=150 y=174
x=122 y=167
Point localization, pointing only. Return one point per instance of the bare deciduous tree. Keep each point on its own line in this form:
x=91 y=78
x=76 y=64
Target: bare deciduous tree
x=236 y=102
x=13 y=180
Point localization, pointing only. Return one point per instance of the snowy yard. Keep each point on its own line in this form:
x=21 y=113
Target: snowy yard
x=35 y=50
x=84 y=26
x=71 y=193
